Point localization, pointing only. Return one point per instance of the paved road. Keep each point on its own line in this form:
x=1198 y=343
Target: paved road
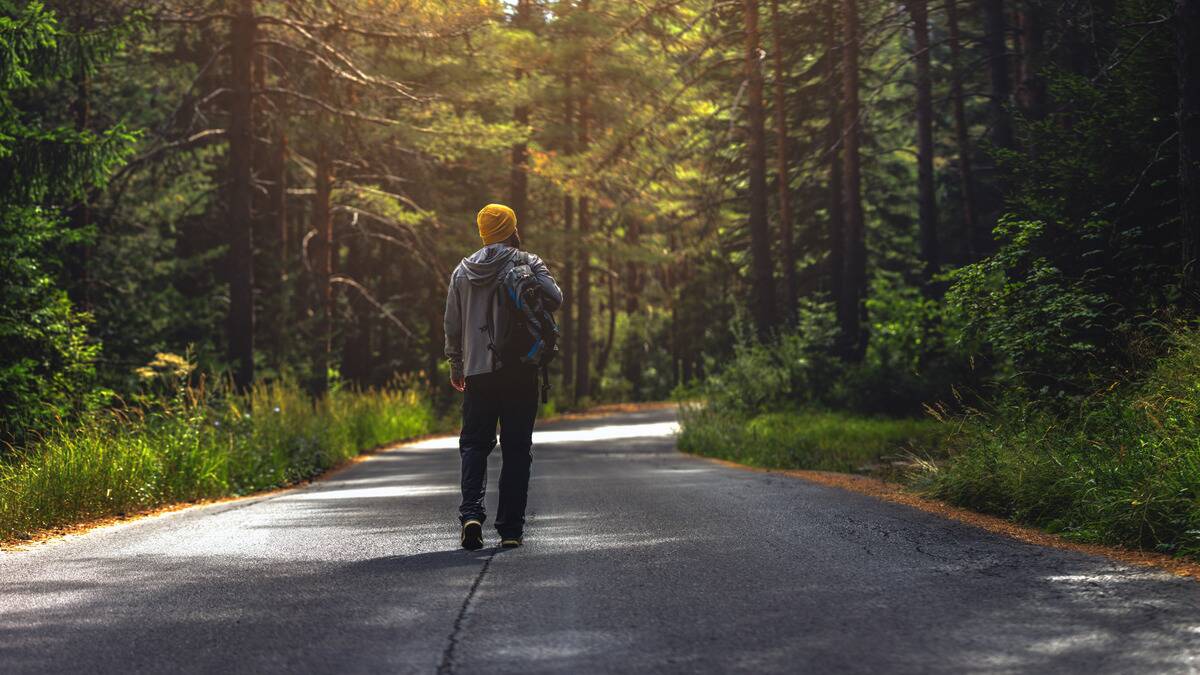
x=638 y=559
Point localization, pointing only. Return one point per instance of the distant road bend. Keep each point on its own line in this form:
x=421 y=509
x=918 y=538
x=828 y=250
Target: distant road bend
x=638 y=559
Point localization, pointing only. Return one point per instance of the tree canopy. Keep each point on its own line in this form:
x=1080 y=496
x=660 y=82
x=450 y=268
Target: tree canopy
x=937 y=196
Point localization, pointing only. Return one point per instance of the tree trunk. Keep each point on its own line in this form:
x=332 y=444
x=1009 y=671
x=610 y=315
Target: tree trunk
x=926 y=197
x=275 y=221
x=837 y=220
x=583 y=321
x=583 y=324
x=670 y=282
x=81 y=214
x=633 y=273
x=1032 y=88
x=268 y=277
x=519 y=177
x=322 y=265
x=606 y=350
x=852 y=308
x=961 y=132
x=437 y=339
x=995 y=45
x=762 y=271
x=566 y=320
x=631 y=366
x=356 y=347
x=278 y=201
x=78 y=254
x=787 y=249
x=240 y=265
x=1188 y=42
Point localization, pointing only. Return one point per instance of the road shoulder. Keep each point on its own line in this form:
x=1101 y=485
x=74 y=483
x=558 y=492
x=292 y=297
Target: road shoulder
x=897 y=494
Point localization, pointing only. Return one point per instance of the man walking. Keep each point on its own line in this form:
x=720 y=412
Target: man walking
x=508 y=394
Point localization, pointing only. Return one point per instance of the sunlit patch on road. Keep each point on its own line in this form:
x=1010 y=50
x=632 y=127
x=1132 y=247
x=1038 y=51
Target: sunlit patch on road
x=607 y=433
x=587 y=435
x=563 y=645
x=373 y=492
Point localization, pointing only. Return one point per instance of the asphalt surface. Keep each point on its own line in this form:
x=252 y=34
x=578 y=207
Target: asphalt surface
x=638 y=559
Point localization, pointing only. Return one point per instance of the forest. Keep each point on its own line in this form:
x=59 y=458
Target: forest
x=953 y=241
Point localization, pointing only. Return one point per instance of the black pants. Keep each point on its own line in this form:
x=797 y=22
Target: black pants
x=509 y=397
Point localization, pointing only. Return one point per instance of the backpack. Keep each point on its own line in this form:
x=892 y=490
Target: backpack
x=525 y=331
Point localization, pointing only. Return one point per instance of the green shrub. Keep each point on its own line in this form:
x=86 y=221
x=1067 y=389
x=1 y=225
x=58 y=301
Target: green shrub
x=795 y=368
x=912 y=361
x=826 y=441
x=1086 y=257
x=194 y=445
x=46 y=358
x=1122 y=468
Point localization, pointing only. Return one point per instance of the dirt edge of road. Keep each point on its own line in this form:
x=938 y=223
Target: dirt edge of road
x=896 y=493
x=62 y=532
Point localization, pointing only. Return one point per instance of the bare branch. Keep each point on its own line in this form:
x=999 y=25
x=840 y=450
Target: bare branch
x=347 y=281
x=341 y=27
x=349 y=65
x=355 y=76
x=193 y=18
x=342 y=112
x=195 y=140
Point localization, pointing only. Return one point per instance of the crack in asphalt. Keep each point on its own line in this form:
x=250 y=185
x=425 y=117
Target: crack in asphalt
x=447 y=665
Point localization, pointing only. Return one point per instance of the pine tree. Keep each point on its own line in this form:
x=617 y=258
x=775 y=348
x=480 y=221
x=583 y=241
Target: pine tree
x=762 y=271
x=852 y=303
x=46 y=357
x=1188 y=47
x=926 y=196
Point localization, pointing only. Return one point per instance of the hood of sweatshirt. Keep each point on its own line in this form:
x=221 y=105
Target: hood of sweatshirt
x=483 y=266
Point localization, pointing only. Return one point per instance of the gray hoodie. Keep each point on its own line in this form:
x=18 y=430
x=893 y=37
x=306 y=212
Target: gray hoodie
x=471 y=296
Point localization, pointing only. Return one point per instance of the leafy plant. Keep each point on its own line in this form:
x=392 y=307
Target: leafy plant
x=1121 y=467
x=800 y=439
x=195 y=443
x=46 y=359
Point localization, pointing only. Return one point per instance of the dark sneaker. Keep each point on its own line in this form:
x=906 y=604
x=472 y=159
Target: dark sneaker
x=510 y=542
x=472 y=535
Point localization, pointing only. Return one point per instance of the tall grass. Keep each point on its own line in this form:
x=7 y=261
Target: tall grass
x=194 y=445
x=802 y=439
x=1122 y=468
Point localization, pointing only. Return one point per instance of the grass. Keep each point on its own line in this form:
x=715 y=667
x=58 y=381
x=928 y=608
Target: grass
x=195 y=447
x=1122 y=468
x=804 y=439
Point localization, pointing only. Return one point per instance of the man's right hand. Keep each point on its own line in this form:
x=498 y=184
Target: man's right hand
x=458 y=382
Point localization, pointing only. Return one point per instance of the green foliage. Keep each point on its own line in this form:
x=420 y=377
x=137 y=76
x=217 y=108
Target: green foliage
x=801 y=439
x=911 y=361
x=640 y=110
x=1046 y=325
x=192 y=444
x=918 y=355
x=28 y=41
x=795 y=368
x=791 y=404
x=1087 y=259
x=1121 y=468
x=46 y=359
x=641 y=369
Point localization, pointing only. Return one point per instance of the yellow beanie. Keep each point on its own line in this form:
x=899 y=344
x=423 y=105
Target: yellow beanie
x=496 y=223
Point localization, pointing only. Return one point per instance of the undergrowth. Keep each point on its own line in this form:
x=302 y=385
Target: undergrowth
x=802 y=439
x=194 y=445
x=1121 y=468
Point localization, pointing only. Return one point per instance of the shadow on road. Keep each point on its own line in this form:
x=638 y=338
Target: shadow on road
x=637 y=559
